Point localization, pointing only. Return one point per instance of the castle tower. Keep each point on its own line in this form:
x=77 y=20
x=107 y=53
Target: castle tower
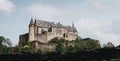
x=31 y=31
x=35 y=30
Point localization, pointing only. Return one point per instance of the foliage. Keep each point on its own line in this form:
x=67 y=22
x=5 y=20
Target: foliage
x=69 y=49
x=27 y=48
x=39 y=51
x=57 y=40
x=3 y=49
x=5 y=45
x=78 y=45
x=108 y=45
x=5 y=41
x=86 y=44
x=60 y=47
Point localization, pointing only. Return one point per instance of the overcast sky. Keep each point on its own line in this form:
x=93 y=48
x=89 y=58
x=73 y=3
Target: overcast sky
x=97 y=19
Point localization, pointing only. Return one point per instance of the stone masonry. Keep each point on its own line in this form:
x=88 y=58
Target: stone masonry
x=43 y=31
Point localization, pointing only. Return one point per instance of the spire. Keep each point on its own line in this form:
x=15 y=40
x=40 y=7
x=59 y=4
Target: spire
x=35 y=23
x=72 y=24
x=31 y=22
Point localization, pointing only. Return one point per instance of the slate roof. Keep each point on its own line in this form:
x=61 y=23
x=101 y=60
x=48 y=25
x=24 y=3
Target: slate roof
x=58 y=25
x=71 y=29
x=42 y=23
x=46 y=24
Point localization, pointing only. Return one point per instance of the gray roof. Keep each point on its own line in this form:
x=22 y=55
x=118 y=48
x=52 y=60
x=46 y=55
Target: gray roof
x=58 y=25
x=42 y=23
x=46 y=24
x=71 y=29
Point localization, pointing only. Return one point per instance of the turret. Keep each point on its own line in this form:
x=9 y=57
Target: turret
x=31 y=22
x=31 y=31
x=72 y=24
x=35 y=28
x=35 y=23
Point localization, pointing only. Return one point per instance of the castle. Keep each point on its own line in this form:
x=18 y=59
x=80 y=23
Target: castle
x=41 y=32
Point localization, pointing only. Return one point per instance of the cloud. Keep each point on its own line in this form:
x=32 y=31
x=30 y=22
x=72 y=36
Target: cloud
x=6 y=5
x=98 y=5
x=98 y=30
x=44 y=11
x=89 y=23
x=87 y=27
x=94 y=5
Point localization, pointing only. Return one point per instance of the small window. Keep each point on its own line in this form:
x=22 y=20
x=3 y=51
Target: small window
x=64 y=35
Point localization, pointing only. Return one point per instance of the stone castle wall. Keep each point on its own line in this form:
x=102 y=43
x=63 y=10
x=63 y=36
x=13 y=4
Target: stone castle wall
x=42 y=38
x=43 y=34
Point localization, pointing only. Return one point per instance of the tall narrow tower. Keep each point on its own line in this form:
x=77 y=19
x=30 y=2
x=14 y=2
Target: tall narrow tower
x=72 y=24
x=31 y=31
x=35 y=31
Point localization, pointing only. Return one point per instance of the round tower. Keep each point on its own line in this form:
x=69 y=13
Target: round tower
x=31 y=31
x=35 y=31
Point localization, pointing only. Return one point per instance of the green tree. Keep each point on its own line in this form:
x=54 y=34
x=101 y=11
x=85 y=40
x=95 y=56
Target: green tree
x=108 y=45
x=39 y=51
x=60 y=47
x=69 y=49
x=5 y=41
x=86 y=44
x=5 y=44
x=28 y=48
x=17 y=49
x=3 y=49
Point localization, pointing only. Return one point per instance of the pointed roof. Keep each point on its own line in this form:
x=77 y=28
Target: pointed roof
x=31 y=22
x=35 y=23
x=72 y=24
x=42 y=23
x=71 y=29
x=58 y=25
